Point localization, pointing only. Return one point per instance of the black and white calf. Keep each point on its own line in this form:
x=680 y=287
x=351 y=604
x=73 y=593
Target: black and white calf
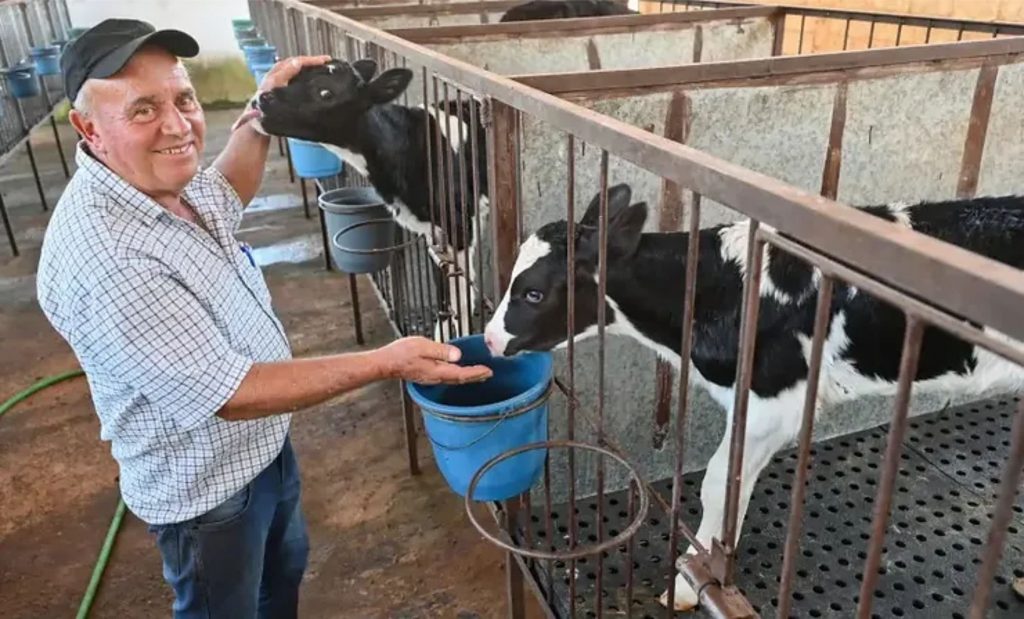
x=349 y=110
x=645 y=281
x=565 y=9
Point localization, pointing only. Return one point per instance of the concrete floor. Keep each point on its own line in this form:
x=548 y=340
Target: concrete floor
x=384 y=544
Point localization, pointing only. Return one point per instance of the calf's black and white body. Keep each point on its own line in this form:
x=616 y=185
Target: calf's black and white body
x=564 y=9
x=349 y=109
x=645 y=282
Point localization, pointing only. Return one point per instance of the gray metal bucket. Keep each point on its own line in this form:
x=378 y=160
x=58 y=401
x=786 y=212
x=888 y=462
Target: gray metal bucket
x=361 y=229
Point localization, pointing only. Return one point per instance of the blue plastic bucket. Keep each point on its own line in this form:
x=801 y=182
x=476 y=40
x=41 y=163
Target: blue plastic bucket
x=259 y=54
x=46 y=59
x=22 y=81
x=260 y=70
x=250 y=41
x=311 y=160
x=469 y=424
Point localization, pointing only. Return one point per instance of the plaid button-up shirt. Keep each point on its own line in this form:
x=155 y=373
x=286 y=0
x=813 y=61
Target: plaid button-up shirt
x=166 y=319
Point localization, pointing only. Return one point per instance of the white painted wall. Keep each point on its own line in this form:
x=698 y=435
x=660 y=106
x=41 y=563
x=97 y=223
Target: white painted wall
x=208 y=21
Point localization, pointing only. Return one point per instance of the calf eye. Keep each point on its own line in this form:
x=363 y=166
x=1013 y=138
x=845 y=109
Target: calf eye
x=326 y=94
x=534 y=296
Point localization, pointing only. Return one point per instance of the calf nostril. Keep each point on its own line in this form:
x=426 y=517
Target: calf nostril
x=266 y=97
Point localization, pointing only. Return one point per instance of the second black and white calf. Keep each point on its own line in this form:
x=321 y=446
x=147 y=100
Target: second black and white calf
x=645 y=282
x=350 y=110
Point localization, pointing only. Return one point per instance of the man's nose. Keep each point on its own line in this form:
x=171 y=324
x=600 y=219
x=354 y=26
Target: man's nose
x=175 y=123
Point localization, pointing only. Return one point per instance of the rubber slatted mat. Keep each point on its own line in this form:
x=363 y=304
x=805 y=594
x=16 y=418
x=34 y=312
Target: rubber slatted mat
x=945 y=492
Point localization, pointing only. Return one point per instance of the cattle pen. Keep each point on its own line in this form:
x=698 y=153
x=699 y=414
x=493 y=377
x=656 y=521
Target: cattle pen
x=919 y=514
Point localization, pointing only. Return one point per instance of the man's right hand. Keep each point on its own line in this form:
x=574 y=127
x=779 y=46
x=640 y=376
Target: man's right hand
x=424 y=361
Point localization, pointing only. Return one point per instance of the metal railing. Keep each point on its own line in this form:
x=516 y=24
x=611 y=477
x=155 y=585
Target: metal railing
x=936 y=286
x=813 y=30
x=25 y=24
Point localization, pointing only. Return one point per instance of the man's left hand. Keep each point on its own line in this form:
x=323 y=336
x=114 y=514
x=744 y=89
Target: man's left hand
x=279 y=75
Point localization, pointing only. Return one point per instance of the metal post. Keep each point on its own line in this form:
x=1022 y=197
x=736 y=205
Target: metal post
x=357 y=318
x=7 y=227
x=408 y=416
x=32 y=157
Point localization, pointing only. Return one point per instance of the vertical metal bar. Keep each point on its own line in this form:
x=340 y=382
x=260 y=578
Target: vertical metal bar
x=1002 y=517
x=474 y=137
x=305 y=199
x=821 y=324
x=431 y=194
x=800 y=47
x=56 y=139
x=630 y=551
x=451 y=216
x=928 y=33
x=602 y=289
x=685 y=347
x=409 y=421
x=960 y=32
x=323 y=226
x=515 y=590
x=519 y=176
x=447 y=197
x=871 y=35
x=463 y=219
x=751 y=305
x=570 y=321
x=549 y=531
x=7 y=227
x=883 y=497
x=846 y=35
x=779 y=32
x=31 y=155
x=899 y=33
x=502 y=191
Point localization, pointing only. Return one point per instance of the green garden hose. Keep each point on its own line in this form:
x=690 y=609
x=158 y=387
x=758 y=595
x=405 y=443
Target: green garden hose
x=115 y=524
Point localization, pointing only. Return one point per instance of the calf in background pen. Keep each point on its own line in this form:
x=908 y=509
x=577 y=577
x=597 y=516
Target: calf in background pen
x=536 y=10
x=349 y=110
x=645 y=281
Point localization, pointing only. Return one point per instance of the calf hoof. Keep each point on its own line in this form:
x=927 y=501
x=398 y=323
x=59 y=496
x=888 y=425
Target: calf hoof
x=686 y=597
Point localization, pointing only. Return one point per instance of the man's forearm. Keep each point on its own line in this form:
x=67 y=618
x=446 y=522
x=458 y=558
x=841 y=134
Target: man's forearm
x=287 y=386
x=243 y=160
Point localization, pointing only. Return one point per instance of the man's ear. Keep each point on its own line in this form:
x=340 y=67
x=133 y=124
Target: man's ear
x=86 y=128
x=366 y=68
x=389 y=85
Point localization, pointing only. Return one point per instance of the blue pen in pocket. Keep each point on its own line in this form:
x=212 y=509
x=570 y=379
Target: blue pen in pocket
x=247 y=250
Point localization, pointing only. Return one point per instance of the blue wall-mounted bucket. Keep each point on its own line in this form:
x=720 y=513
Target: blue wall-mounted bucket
x=469 y=424
x=312 y=160
x=46 y=59
x=250 y=41
x=260 y=70
x=22 y=81
x=259 y=54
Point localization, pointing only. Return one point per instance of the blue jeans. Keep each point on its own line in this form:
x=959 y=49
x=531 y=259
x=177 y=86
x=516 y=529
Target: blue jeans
x=244 y=558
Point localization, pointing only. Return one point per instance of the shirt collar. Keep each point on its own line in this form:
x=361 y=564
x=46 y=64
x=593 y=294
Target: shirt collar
x=127 y=197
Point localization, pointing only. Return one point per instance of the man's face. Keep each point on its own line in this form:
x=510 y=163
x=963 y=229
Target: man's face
x=145 y=123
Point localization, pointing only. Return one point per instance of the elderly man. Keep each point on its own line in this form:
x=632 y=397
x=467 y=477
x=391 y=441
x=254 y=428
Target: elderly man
x=190 y=369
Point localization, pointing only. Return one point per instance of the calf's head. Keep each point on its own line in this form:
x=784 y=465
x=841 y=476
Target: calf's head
x=533 y=313
x=328 y=98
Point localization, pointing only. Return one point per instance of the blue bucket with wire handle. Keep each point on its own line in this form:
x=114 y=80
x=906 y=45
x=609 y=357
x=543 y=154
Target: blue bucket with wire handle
x=468 y=425
x=21 y=81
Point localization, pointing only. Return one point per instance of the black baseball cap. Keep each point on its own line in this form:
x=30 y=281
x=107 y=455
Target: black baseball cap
x=104 y=49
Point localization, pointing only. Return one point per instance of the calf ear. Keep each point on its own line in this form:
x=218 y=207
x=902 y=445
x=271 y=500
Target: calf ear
x=389 y=85
x=618 y=197
x=366 y=68
x=625 y=228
